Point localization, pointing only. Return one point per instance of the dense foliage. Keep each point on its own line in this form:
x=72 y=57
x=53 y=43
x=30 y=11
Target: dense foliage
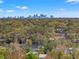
x=47 y=35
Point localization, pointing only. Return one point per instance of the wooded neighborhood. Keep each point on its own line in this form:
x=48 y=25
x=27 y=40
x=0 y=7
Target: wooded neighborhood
x=39 y=38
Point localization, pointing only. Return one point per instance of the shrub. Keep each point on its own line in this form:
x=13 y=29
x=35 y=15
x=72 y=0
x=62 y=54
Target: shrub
x=2 y=52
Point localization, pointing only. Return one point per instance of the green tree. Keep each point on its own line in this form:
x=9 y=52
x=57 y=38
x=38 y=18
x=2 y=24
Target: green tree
x=30 y=55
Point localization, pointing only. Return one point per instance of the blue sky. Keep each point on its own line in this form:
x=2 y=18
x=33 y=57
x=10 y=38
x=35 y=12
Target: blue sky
x=57 y=8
